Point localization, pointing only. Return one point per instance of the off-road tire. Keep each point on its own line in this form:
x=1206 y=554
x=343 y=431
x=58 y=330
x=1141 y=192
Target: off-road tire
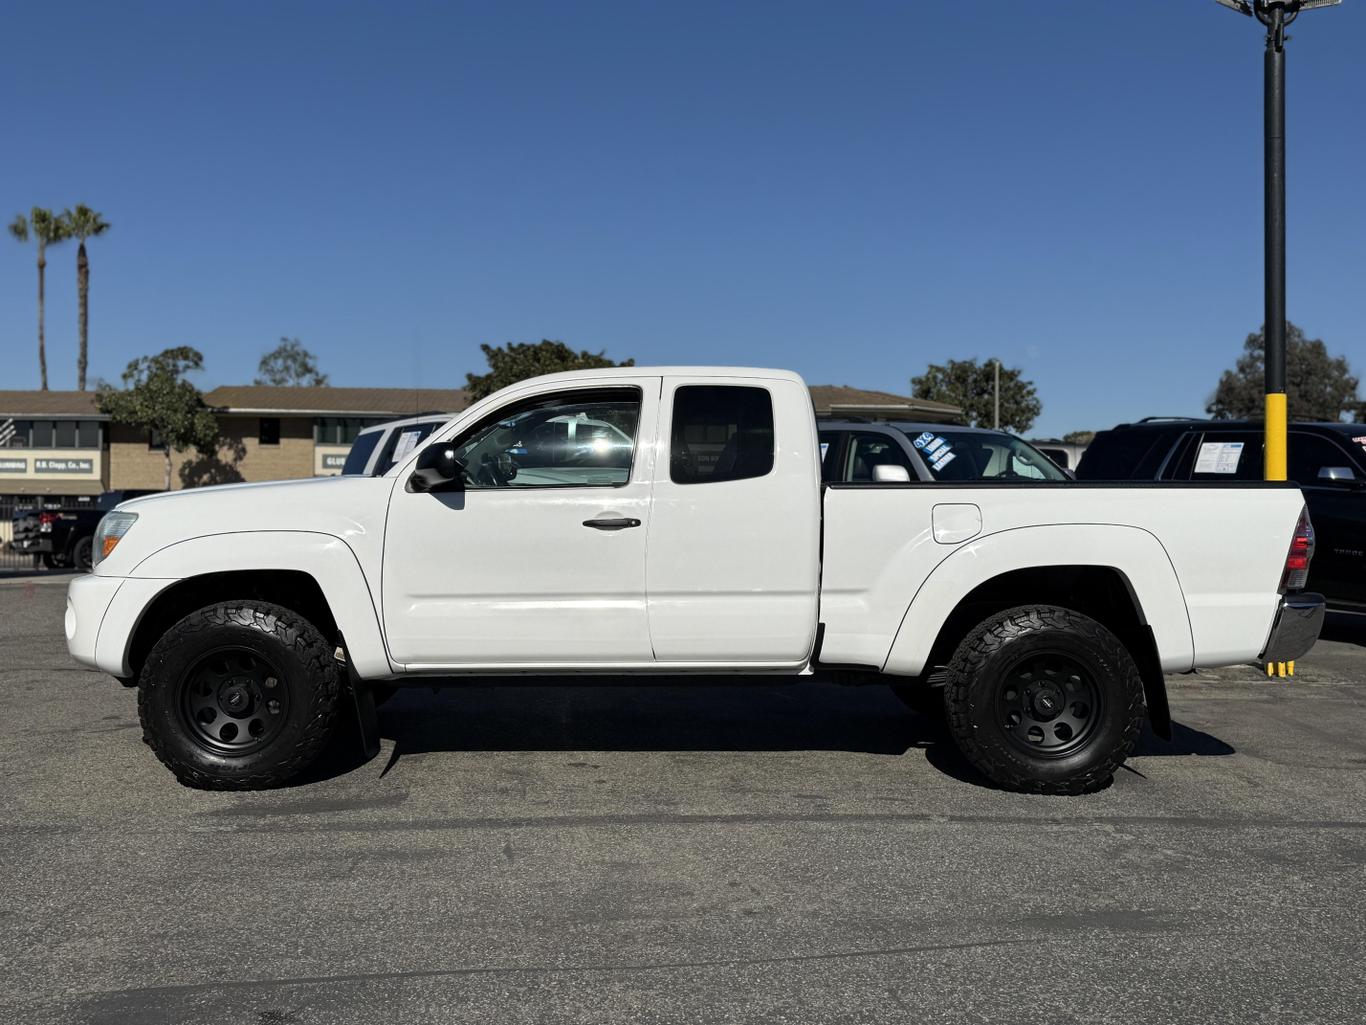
x=983 y=665
x=307 y=668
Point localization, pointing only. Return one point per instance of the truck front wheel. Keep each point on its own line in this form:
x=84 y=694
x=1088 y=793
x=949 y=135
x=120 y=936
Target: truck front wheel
x=241 y=695
x=1044 y=700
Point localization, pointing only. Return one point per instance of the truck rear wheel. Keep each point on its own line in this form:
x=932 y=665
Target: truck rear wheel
x=1044 y=700
x=241 y=695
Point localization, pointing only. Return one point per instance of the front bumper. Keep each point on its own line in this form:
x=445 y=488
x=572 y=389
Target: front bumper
x=102 y=613
x=1295 y=628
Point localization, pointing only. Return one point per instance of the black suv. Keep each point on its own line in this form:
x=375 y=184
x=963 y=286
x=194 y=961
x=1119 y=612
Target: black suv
x=1328 y=461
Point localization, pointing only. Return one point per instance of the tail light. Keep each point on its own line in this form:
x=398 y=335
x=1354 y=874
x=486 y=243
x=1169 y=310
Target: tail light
x=45 y=522
x=1301 y=551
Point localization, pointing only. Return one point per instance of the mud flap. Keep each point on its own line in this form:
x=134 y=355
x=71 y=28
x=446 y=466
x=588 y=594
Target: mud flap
x=1155 y=688
x=367 y=720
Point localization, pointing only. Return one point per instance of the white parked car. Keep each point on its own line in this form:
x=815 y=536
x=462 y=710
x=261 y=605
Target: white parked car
x=636 y=521
x=376 y=449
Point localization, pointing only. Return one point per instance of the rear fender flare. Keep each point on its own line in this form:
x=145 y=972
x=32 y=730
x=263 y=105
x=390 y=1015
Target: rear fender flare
x=1135 y=553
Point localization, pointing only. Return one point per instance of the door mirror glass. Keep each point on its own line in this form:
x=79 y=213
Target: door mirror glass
x=884 y=473
x=1337 y=473
x=437 y=466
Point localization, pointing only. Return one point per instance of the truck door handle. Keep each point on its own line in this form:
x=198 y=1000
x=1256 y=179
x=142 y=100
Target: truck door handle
x=618 y=523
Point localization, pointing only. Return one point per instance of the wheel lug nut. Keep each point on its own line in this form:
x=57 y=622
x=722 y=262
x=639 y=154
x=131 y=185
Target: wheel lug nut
x=274 y=707
x=271 y=681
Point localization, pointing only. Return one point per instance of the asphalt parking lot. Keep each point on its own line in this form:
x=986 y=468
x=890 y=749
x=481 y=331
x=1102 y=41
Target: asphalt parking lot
x=710 y=853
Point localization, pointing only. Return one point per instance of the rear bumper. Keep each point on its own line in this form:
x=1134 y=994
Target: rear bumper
x=1295 y=628
x=32 y=545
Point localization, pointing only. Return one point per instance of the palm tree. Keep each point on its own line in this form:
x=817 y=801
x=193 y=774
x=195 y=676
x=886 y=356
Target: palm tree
x=83 y=223
x=47 y=230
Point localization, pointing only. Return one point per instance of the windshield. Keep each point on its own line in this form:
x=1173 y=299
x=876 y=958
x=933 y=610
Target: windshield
x=982 y=455
x=360 y=452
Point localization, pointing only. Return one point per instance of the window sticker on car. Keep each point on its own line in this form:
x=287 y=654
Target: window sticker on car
x=406 y=441
x=924 y=440
x=1219 y=457
x=1361 y=441
x=943 y=460
x=825 y=447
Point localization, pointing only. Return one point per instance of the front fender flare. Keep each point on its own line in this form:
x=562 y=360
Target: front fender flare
x=326 y=558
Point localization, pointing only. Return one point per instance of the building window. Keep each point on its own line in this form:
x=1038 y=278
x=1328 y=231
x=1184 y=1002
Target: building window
x=270 y=430
x=43 y=431
x=155 y=442
x=342 y=430
x=88 y=434
x=66 y=434
x=23 y=429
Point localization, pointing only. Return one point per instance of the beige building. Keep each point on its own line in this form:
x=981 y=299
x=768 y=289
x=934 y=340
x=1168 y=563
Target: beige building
x=62 y=448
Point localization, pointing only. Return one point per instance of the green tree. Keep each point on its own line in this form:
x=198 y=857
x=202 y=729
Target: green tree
x=156 y=397
x=289 y=363
x=1318 y=386
x=518 y=361
x=47 y=229
x=970 y=386
x=83 y=223
x=1079 y=437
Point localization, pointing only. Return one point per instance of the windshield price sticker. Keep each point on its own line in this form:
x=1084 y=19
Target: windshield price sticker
x=406 y=441
x=935 y=449
x=1219 y=457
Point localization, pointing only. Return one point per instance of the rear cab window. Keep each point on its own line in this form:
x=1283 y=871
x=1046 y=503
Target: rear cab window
x=720 y=433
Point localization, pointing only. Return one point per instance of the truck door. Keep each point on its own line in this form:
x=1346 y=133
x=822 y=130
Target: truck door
x=540 y=557
x=733 y=562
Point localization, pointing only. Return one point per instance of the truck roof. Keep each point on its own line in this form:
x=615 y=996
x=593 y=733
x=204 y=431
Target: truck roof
x=759 y=373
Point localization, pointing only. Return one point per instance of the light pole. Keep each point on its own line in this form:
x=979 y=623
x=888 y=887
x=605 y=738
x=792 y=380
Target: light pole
x=1275 y=15
x=996 y=413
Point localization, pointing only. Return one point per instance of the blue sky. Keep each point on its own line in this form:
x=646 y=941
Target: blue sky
x=845 y=189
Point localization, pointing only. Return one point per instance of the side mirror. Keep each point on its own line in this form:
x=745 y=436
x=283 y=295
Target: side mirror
x=887 y=474
x=436 y=467
x=1337 y=474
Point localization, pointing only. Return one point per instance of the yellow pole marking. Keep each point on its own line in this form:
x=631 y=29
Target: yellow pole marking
x=1275 y=436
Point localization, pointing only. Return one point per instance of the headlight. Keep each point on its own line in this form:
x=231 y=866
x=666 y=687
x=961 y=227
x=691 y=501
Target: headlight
x=110 y=532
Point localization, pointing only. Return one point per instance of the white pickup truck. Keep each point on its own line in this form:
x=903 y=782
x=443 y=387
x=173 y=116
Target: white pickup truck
x=673 y=520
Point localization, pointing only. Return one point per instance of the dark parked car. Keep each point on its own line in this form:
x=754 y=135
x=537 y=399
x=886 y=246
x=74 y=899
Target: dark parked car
x=1328 y=461
x=65 y=537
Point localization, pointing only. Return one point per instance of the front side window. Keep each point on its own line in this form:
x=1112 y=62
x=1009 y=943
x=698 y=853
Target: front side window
x=569 y=439
x=869 y=450
x=720 y=433
x=1309 y=454
x=982 y=455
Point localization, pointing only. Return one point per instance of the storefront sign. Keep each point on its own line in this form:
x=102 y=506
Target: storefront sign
x=333 y=462
x=13 y=466
x=63 y=466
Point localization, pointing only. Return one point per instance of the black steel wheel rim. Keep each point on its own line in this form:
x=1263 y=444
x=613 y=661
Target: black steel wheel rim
x=1049 y=705
x=233 y=701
